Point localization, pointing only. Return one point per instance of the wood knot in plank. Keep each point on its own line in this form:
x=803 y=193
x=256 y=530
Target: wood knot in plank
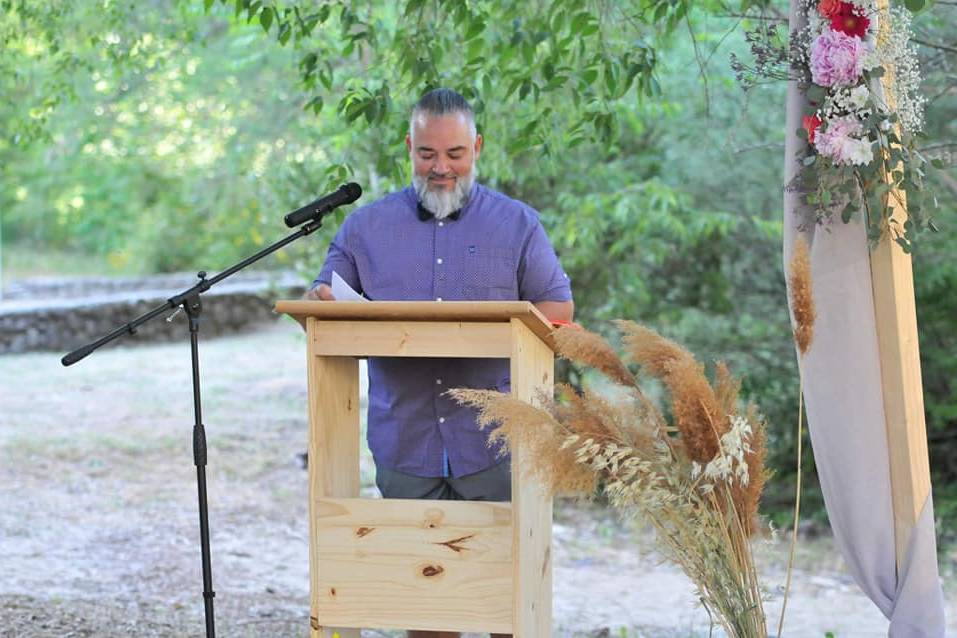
x=433 y=517
x=432 y=570
x=362 y=531
x=457 y=544
x=332 y=591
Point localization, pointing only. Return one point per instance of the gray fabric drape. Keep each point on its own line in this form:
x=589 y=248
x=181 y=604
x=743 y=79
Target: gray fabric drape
x=842 y=390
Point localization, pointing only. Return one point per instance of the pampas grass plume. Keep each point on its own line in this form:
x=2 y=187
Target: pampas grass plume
x=802 y=300
x=698 y=414
x=535 y=434
x=593 y=351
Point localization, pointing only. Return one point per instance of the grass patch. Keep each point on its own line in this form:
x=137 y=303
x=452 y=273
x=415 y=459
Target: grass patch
x=21 y=259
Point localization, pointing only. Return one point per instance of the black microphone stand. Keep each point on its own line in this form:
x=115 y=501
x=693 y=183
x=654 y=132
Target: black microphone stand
x=189 y=300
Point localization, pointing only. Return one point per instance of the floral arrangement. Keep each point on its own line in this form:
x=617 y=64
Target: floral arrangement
x=866 y=114
x=696 y=475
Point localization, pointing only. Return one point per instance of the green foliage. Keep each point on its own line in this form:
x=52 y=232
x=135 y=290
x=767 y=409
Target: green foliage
x=914 y=5
x=177 y=157
x=934 y=282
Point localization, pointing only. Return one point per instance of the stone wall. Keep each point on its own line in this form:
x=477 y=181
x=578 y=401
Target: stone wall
x=65 y=313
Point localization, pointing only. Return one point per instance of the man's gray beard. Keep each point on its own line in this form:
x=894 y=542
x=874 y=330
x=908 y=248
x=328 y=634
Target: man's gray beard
x=443 y=203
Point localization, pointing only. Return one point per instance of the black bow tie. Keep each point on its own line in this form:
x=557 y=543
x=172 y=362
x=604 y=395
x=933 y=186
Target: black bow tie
x=425 y=214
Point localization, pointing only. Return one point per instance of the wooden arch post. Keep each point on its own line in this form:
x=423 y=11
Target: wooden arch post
x=892 y=280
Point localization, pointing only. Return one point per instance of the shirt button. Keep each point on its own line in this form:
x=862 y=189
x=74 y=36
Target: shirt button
x=438 y=382
x=441 y=419
x=439 y=260
x=441 y=223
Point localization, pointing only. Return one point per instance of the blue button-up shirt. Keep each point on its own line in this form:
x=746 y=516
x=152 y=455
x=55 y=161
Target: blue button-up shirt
x=495 y=249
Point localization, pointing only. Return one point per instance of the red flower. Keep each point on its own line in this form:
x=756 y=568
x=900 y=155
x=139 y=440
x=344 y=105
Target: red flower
x=811 y=122
x=828 y=8
x=850 y=20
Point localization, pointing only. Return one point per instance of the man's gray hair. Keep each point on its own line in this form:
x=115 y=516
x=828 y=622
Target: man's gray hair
x=440 y=102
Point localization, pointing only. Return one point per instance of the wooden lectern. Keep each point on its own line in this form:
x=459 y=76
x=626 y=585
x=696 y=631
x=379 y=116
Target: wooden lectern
x=420 y=564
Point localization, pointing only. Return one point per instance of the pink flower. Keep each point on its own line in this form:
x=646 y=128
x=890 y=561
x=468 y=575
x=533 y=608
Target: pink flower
x=836 y=59
x=840 y=140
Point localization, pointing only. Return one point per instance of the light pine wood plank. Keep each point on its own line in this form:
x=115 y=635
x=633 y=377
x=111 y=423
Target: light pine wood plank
x=892 y=279
x=464 y=311
x=333 y=454
x=532 y=372
x=412 y=339
x=415 y=564
x=458 y=530
x=903 y=391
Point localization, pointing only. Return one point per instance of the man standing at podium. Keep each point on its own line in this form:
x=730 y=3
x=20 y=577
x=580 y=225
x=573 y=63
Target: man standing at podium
x=444 y=238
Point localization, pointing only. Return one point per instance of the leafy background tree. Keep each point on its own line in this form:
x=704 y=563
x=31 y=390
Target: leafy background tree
x=148 y=137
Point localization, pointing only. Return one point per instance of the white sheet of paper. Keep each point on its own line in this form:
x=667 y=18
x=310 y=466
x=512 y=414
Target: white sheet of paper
x=343 y=291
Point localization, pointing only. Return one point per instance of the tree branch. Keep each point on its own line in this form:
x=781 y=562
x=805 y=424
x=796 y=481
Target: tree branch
x=936 y=45
x=937 y=146
x=702 y=70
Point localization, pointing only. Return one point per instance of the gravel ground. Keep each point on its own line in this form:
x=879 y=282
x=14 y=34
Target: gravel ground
x=99 y=532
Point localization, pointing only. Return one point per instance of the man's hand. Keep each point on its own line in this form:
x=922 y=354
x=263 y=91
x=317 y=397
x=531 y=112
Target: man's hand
x=322 y=292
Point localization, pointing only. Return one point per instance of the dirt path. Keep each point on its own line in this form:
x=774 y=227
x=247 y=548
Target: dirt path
x=99 y=532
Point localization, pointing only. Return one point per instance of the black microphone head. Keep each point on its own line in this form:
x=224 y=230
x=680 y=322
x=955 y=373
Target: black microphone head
x=353 y=192
x=345 y=194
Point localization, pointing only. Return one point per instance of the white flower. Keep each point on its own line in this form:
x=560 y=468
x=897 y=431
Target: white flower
x=868 y=8
x=858 y=152
x=858 y=97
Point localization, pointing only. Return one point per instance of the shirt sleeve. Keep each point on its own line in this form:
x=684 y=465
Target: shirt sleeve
x=540 y=275
x=341 y=259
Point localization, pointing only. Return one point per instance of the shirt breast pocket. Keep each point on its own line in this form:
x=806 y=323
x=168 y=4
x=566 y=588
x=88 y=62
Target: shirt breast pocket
x=490 y=274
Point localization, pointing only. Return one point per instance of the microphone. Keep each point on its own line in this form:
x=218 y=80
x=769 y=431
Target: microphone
x=346 y=194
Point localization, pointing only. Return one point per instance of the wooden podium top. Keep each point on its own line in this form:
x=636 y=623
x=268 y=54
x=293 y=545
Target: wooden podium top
x=453 y=311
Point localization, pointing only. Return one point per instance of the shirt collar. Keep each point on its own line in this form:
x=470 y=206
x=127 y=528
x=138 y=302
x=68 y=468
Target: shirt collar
x=425 y=214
